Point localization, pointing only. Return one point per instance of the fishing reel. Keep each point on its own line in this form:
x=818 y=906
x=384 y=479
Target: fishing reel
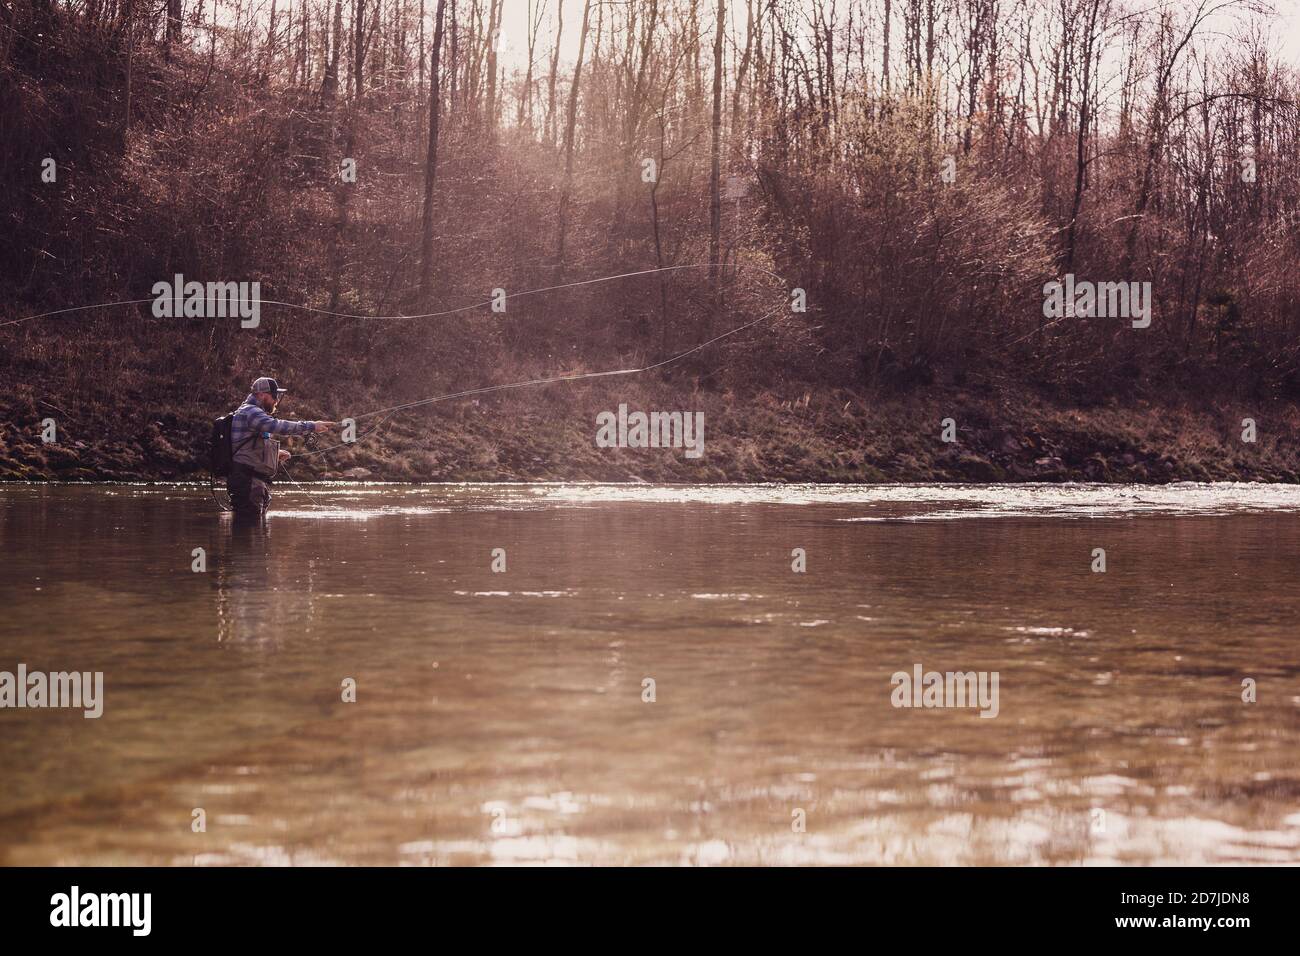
x=311 y=441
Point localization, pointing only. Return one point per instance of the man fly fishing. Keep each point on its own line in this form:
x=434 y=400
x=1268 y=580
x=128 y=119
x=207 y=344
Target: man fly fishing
x=254 y=454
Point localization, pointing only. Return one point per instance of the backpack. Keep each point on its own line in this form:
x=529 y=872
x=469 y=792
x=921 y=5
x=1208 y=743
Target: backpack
x=221 y=451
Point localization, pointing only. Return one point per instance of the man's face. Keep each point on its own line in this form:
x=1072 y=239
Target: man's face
x=267 y=401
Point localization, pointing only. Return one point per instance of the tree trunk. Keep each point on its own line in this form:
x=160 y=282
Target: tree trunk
x=1081 y=157
x=330 y=86
x=174 y=13
x=737 y=139
x=419 y=89
x=431 y=160
x=884 y=56
x=494 y=26
x=358 y=46
x=715 y=195
x=569 y=125
x=270 y=45
x=551 y=125
x=129 y=15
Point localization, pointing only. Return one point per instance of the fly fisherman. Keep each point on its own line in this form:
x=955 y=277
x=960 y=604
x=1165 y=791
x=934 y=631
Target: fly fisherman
x=256 y=455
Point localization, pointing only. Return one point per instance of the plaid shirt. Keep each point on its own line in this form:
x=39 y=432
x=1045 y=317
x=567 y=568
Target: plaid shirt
x=251 y=420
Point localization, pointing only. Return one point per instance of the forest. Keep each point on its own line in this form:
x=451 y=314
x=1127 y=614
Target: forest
x=878 y=193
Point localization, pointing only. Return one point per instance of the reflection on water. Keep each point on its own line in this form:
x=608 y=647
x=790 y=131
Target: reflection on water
x=499 y=716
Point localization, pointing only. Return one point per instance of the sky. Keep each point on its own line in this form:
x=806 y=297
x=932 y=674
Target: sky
x=516 y=17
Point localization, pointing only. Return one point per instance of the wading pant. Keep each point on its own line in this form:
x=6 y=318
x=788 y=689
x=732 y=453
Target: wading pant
x=249 y=495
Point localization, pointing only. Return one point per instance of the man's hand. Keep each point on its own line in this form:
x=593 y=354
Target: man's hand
x=284 y=456
x=324 y=426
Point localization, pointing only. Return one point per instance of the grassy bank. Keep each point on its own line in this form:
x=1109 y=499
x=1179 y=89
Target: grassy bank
x=548 y=433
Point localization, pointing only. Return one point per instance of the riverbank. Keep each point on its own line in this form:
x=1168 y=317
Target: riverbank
x=839 y=436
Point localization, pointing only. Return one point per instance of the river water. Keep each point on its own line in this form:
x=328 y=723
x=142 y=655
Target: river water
x=505 y=716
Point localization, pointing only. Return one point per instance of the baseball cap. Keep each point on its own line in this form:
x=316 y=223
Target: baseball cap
x=268 y=385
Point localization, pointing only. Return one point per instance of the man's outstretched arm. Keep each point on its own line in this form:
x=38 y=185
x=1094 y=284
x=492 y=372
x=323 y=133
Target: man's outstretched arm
x=262 y=422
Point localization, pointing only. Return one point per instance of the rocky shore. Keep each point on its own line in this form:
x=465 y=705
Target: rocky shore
x=835 y=437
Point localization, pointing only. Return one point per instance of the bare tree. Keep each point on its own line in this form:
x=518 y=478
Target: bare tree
x=569 y=131
x=431 y=158
x=551 y=124
x=715 y=153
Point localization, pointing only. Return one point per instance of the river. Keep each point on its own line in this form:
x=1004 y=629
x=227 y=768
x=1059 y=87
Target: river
x=637 y=674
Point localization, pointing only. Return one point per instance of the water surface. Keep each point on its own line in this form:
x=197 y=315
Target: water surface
x=499 y=716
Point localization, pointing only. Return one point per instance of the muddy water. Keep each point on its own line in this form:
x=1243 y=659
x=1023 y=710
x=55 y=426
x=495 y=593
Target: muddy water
x=500 y=717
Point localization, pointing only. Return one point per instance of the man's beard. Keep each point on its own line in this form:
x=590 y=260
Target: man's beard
x=268 y=405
